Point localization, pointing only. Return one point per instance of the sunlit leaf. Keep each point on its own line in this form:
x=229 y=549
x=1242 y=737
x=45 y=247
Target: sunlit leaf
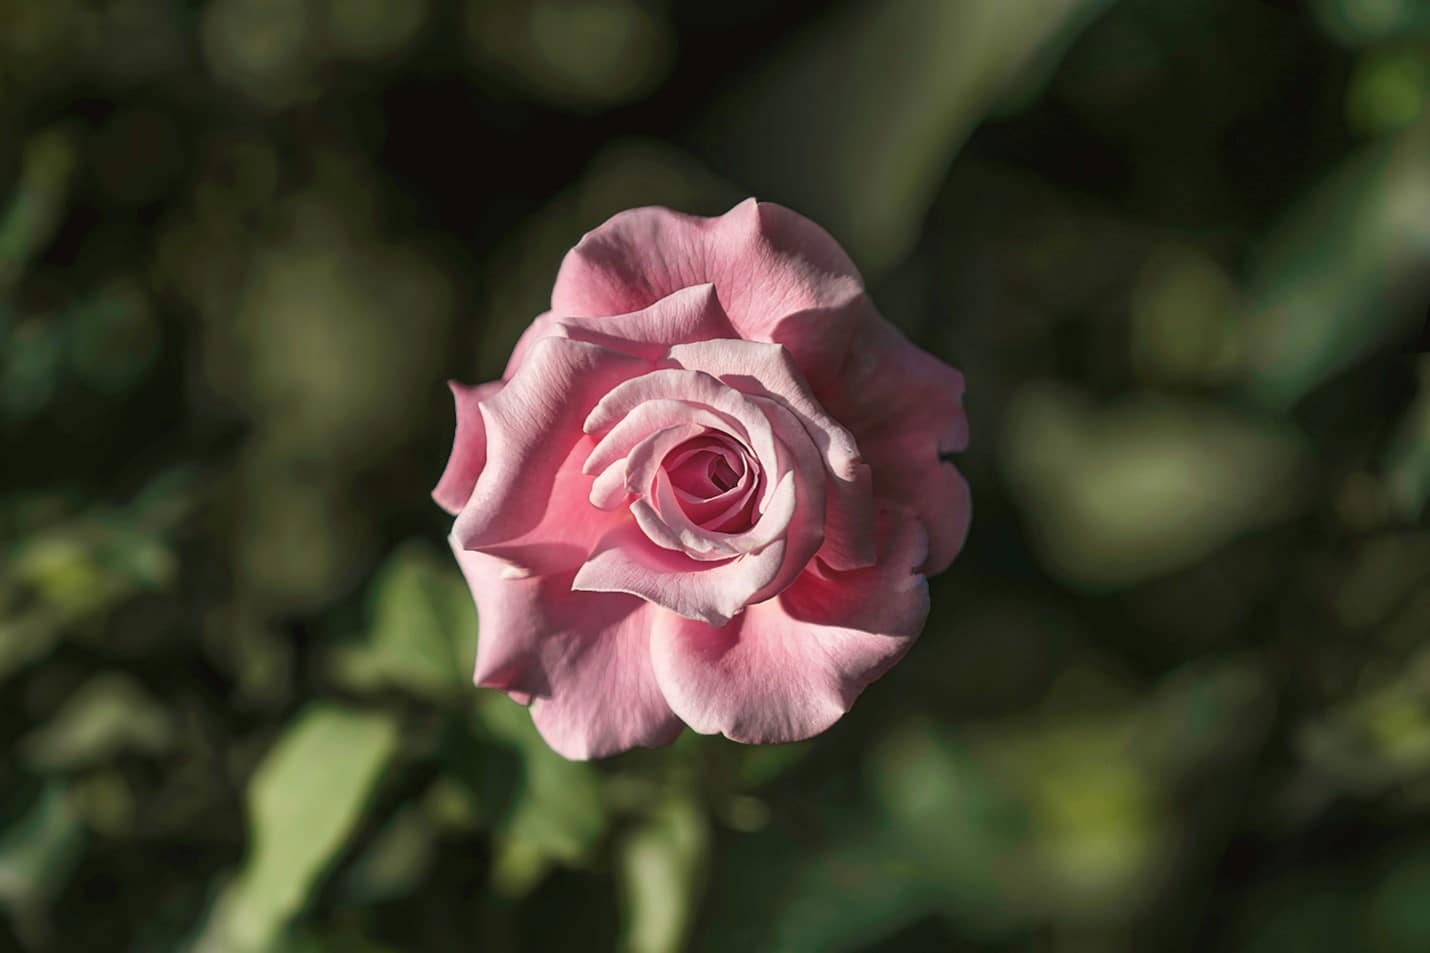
x=108 y=715
x=859 y=139
x=1343 y=273
x=396 y=861
x=38 y=852
x=34 y=212
x=1409 y=463
x=662 y=864
x=423 y=632
x=584 y=54
x=558 y=808
x=1120 y=494
x=303 y=802
x=1373 y=21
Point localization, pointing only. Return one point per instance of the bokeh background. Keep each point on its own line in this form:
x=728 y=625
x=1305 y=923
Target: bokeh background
x=1174 y=695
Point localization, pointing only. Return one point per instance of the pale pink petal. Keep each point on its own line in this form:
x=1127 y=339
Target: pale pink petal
x=543 y=326
x=656 y=414
x=794 y=512
x=627 y=561
x=469 y=447
x=779 y=276
x=581 y=660
x=787 y=669
x=531 y=503
x=667 y=525
x=769 y=371
x=690 y=314
x=506 y=645
x=905 y=408
x=674 y=396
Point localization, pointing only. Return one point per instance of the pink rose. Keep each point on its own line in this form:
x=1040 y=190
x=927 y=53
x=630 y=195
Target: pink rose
x=707 y=489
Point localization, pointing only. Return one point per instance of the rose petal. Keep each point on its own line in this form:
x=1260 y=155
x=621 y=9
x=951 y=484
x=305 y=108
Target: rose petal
x=530 y=505
x=779 y=276
x=787 y=669
x=627 y=561
x=655 y=415
x=769 y=371
x=801 y=524
x=469 y=447
x=582 y=660
x=905 y=408
x=690 y=314
x=671 y=397
x=543 y=326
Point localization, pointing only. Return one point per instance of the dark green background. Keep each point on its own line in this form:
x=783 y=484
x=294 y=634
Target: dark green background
x=1174 y=695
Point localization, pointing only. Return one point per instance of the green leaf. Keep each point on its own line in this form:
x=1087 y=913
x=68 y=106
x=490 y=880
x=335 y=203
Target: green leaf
x=1119 y=494
x=396 y=862
x=1374 y=21
x=557 y=809
x=35 y=211
x=423 y=635
x=303 y=803
x=109 y=714
x=861 y=140
x=38 y=851
x=1343 y=273
x=1409 y=465
x=662 y=865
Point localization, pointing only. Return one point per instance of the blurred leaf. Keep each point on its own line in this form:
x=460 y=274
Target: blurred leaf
x=303 y=803
x=582 y=54
x=396 y=861
x=761 y=764
x=30 y=367
x=1374 y=21
x=1185 y=314
x=26 y=638
x=108 y=715
x=113 y=338
x=1117 y=495
x=558 y=810
x=1389 y=91
x=518 y=867
x=662 y=867
x=1344 y=272
x=1408 y=478
x=38 y=851
x=967 y=829
x=1379 y=737
x=38 y=204
x=373 y=29
x=262 y=48
x=423 y=635
x=857 y=886
x=859 y=139
x=1400 y=910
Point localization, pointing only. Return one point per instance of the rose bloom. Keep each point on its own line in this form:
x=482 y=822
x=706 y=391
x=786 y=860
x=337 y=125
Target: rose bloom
x=707 y=489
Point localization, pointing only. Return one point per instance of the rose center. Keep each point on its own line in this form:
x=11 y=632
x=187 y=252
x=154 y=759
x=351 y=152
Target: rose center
x=714 y=481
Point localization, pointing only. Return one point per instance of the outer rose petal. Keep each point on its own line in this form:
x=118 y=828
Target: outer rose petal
x=543 y=326
x=626 y=560
x=582 y=661
x=779 y=276
x=530 y=504
x=690 y=314
x=905 y=408
x=787 y=669
x=469 y=447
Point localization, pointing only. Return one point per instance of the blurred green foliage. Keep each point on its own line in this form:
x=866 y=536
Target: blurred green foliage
x=1175 y=694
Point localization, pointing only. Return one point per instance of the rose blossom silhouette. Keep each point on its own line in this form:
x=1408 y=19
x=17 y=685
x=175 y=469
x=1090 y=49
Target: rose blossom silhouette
x=707 y=489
